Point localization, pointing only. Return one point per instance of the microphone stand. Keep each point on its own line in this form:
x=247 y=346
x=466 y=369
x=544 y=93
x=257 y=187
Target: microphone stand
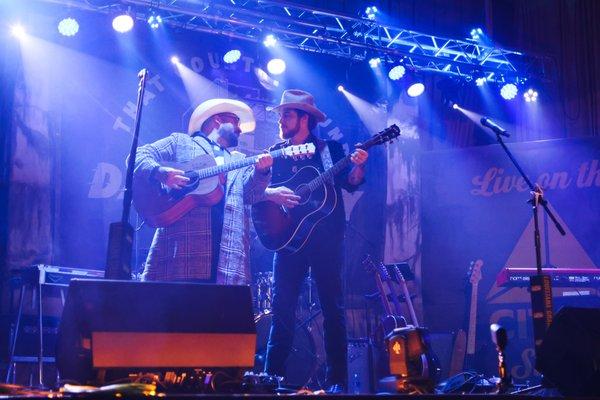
x=540 y=284
x=120 y=237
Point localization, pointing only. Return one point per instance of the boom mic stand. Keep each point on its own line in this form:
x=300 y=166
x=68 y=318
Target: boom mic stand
x=540 y=284
x=120 y=237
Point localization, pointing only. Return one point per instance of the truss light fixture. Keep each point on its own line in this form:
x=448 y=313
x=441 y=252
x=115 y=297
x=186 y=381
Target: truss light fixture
x=340 y=88
x=276 y=66
x=270 y=41
x=122 y=23
x=371 y=12
x=509 y=91
x=480 y=81
x=175 y=59
x=375 y=62
x=476 y=33
x=68 y=26
x=155 y=21
x=416 y=89
x=397 y=72
x=232 y=56
x=530 y=96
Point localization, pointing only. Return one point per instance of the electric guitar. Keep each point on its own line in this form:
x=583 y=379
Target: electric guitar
x=475 y=278
x=160 y=206
x=464 y=343
x=287 y=230
x=393 y=318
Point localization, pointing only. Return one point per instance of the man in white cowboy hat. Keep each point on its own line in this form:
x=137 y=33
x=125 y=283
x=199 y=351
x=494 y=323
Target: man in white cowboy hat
x=323 y=251
x=208 y=244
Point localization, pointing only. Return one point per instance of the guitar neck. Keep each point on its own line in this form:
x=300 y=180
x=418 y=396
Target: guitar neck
x=472 y=320
x=409 y=303
x=244 y=162
x=329 y=174
x=384 y=297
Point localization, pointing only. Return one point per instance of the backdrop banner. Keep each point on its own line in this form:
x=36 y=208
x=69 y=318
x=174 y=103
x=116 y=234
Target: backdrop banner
x=475 y=208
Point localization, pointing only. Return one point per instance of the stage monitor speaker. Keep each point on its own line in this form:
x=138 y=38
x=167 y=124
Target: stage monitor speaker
x=569 y=356
x=140 y=326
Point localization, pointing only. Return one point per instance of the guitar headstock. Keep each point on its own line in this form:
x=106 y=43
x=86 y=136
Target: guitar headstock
x=387 y=135
x=475 y=271
x=398 y=273
x=368 y=263
x=299 y=151
x=378 y=268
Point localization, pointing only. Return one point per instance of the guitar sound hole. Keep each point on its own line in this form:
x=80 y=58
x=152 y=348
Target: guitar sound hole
x=304 y=192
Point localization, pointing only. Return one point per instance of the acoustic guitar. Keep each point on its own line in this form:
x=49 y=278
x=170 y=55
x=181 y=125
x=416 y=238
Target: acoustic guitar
x=287 y=230
x=160 y=206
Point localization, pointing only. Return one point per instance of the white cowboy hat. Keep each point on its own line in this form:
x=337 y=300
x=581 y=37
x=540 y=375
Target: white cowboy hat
x=300 y=100
x=217 y=106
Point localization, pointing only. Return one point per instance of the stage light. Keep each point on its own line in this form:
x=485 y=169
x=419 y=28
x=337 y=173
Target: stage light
x=480 y=81
x=68 y=26
x=397 y=72
x=270 y=41
x=416 y=89
x=476 y=33
x=375 y=62
x=175 y=60
x=530 y=95
x=154 y=21
x=371 y=12
x=18 y=31
x=232 y=56
x=509 y=91
x=340 y=88
x=455 y=106
x=276 y=66
x=122 y=23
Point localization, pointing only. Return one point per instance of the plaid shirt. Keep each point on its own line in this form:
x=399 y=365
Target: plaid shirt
x=182 y=251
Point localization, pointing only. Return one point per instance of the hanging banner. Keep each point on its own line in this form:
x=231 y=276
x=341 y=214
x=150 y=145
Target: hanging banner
x=475 y=212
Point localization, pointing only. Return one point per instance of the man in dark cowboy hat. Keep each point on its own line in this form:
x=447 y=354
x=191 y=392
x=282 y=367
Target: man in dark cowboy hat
x=323 y=251
x=208 y=244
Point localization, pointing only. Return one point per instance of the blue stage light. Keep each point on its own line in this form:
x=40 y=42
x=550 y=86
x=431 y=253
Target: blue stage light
x=374 y=62
x=270 y=41
x=416 y=89
x=232 y=56
x=154 y=21
x=509 y=91
x=68 y=26
x=276 y=66
x=340 y=88
x=122 y=23
x=480 y=81
x=371 y=12
x=175 y=59
x=530 y=96
x=397 y=72
x=476 y=33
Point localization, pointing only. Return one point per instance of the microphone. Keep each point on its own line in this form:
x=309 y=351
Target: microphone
x=488 y=123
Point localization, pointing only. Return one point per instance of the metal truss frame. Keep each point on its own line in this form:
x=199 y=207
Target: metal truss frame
x=321 y=31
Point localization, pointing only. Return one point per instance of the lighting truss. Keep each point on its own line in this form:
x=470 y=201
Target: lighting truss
x=321 y=31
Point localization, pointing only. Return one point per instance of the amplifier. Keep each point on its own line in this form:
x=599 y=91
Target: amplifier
x=360 y=366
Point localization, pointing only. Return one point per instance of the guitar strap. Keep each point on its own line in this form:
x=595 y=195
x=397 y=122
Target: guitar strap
x=326 y=159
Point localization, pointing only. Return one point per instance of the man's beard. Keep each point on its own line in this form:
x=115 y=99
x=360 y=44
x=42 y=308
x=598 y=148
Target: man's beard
x=227 y=132
x=290 y=133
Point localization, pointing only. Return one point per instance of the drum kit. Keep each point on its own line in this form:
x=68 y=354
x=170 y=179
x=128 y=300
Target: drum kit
x=306 y=362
